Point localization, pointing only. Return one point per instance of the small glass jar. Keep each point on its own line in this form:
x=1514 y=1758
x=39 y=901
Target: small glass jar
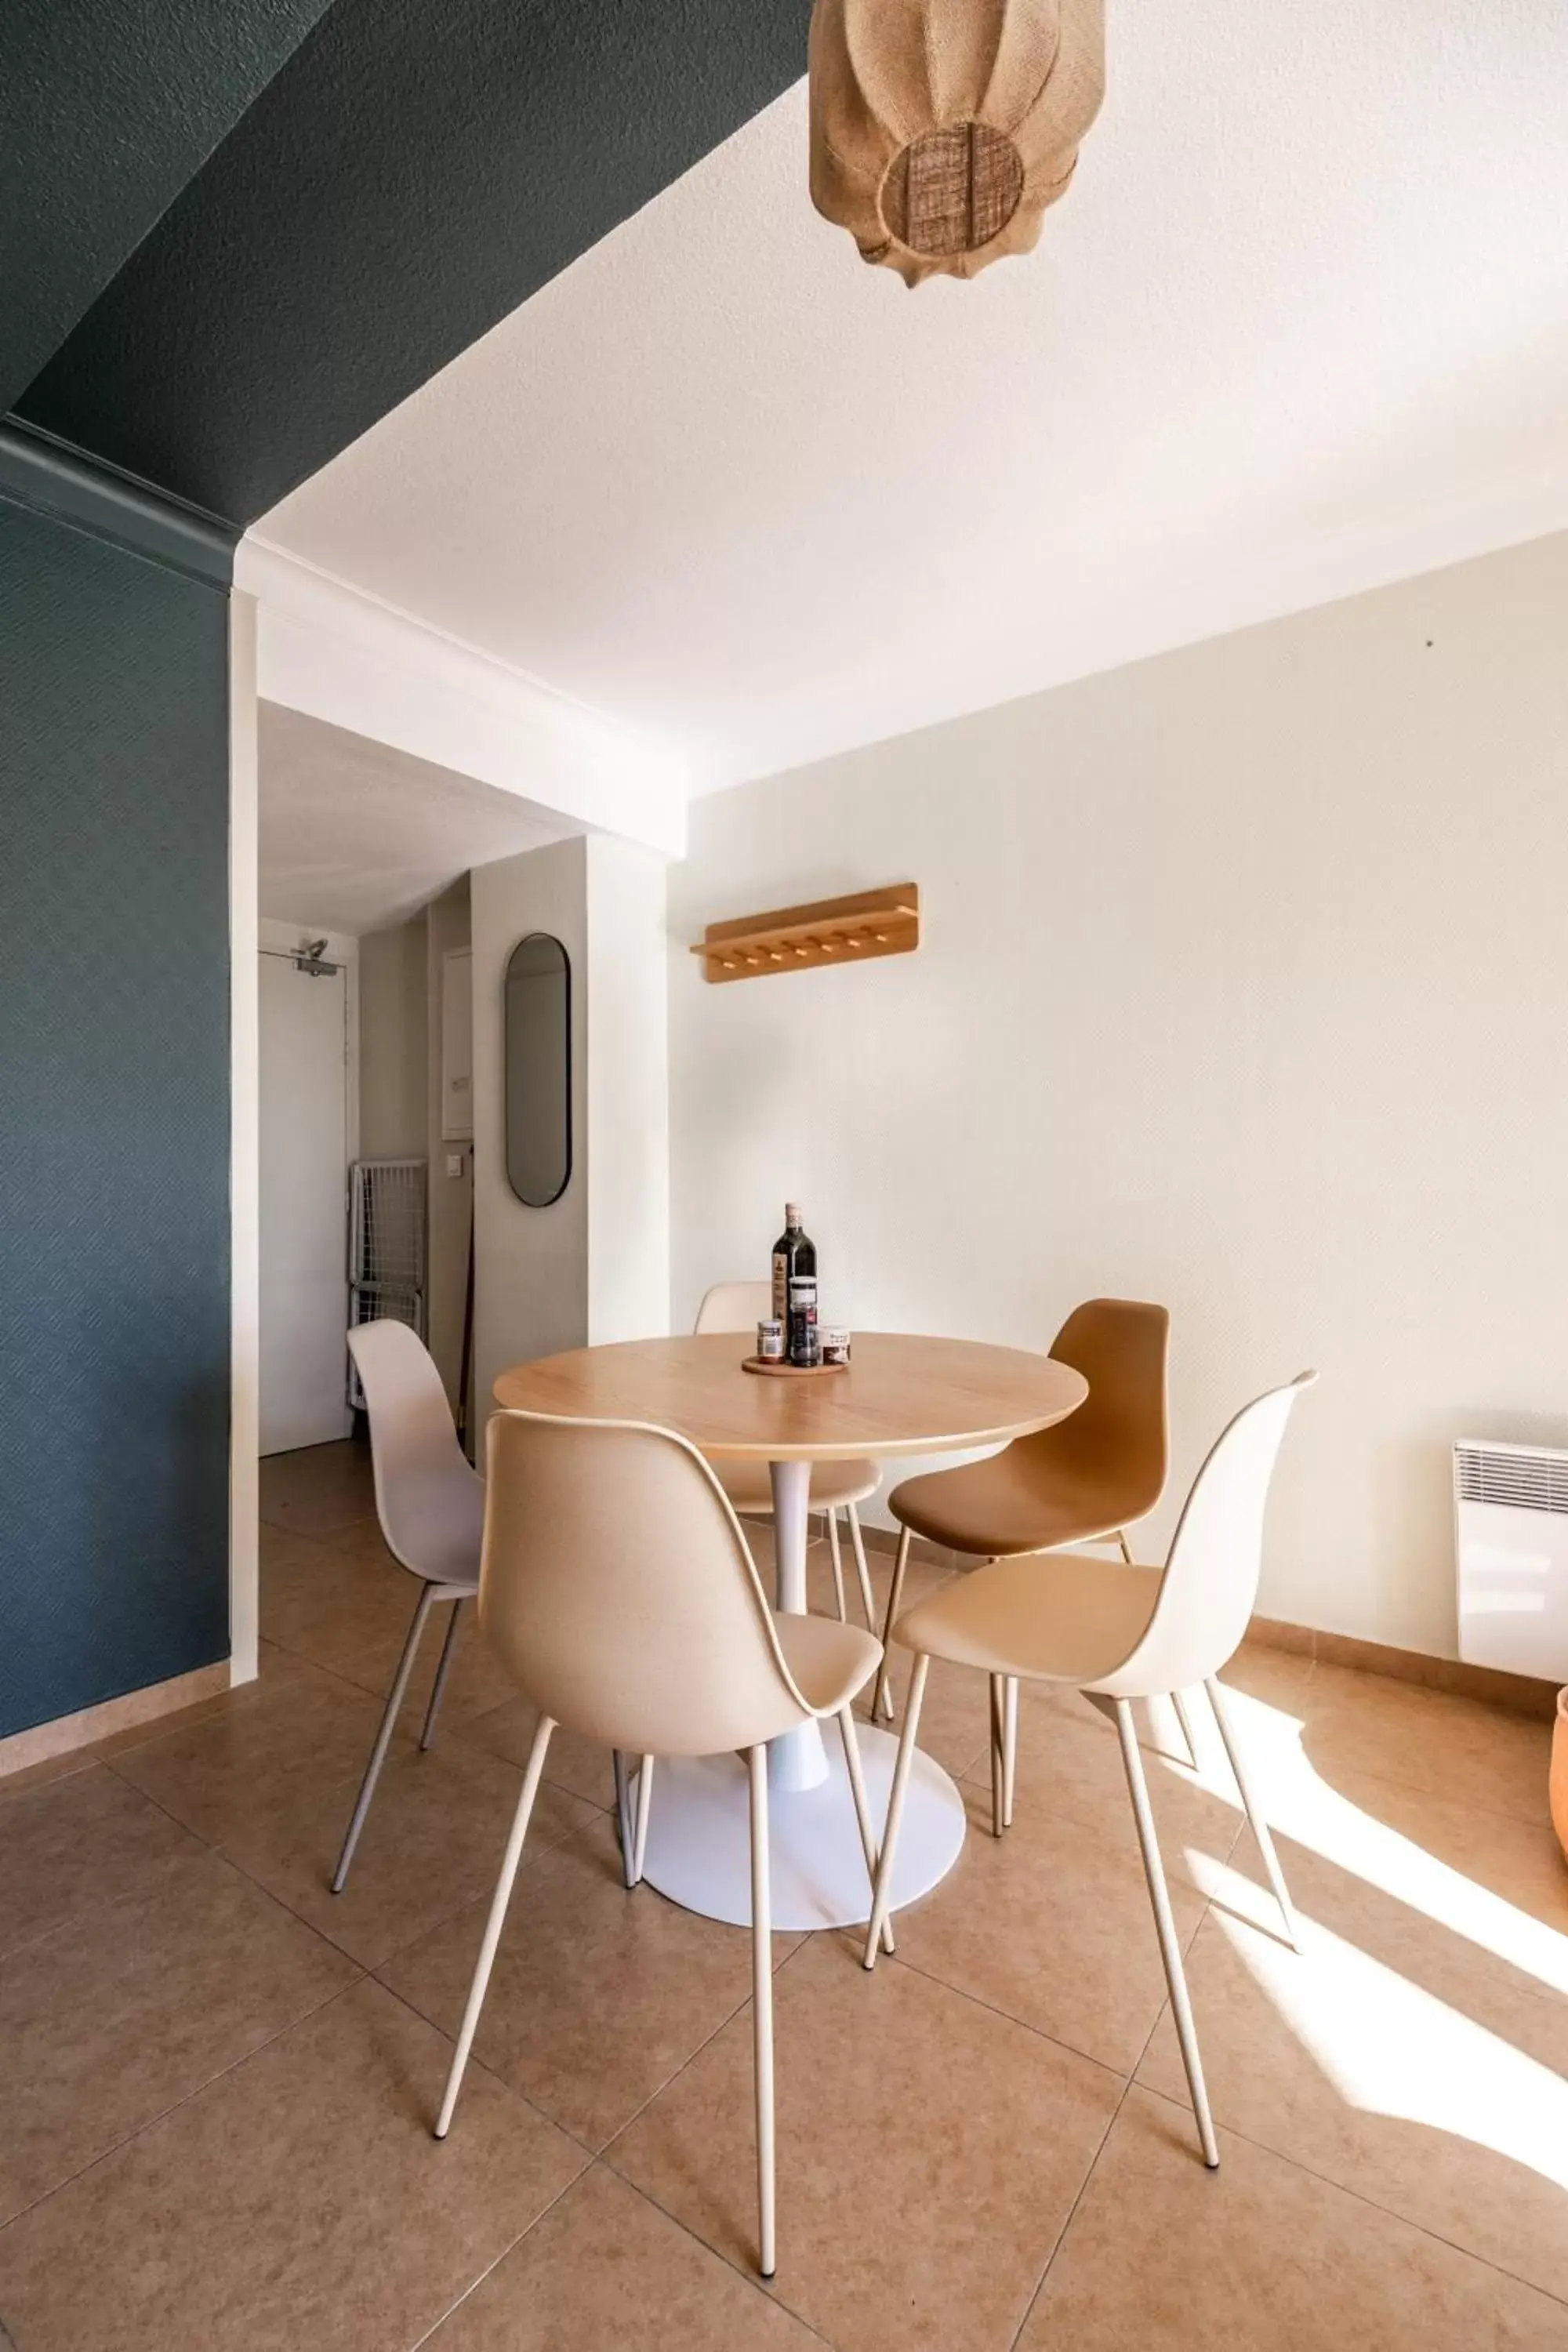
x=835 y=1344
x=770 y=1342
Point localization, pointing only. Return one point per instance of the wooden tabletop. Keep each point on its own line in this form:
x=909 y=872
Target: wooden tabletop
x=901 y=1394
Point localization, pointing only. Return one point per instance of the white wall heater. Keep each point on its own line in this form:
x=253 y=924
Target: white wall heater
x=1510 y=1525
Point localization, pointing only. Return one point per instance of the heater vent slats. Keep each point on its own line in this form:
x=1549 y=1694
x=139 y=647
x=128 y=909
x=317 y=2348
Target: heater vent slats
x=1520 y=1478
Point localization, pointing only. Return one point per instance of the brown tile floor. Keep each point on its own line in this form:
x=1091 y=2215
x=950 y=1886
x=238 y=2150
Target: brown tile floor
x=218 y=2081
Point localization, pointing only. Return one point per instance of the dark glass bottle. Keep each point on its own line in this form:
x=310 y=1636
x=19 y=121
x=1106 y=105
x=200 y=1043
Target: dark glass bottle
x=795 y=1290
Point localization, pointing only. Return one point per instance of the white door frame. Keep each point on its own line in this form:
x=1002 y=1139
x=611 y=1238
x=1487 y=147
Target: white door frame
x=282 y=939
x=249 y=934
x=245 y=1153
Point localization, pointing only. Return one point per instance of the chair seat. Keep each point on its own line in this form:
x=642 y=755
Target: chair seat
x=994 y=1509
x=830 y=1663
x=1061 y=1617
x=749 y=1486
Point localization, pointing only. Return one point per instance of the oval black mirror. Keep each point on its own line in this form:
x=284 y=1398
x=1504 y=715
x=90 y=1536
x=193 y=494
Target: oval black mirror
x=539 y=1070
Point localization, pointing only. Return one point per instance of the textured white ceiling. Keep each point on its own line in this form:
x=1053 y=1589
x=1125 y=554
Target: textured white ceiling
x=1299 y=327
x=355 y=836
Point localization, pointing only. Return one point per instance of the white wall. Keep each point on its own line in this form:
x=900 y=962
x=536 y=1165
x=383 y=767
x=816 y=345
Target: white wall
x=628 y=1092
x=394 y=1030
x=531 y=1295
x=451 y=1196
x=595 y=1265
x=1244 y=987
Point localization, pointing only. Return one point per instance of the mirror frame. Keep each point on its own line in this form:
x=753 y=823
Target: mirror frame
x=528 y=940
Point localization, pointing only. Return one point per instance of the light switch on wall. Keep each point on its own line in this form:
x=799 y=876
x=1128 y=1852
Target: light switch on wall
x=454 y=1164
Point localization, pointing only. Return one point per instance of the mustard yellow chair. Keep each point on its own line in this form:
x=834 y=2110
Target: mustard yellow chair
x=1086 y=1480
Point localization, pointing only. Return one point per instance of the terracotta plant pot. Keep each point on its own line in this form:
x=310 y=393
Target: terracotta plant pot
x=1559 y=1771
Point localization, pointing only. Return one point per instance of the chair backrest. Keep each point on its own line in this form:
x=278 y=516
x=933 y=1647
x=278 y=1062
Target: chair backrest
x=619 y=1590
x=734 y=1306
x=1209 y=1586
x=428 y=1497
x=1118 y=1441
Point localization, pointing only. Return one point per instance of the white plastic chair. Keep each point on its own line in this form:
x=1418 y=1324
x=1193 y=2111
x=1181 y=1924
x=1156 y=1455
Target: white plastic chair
x=835 y=1486
x=620 y=1592
x=1120 y=1632
x=431 y=1504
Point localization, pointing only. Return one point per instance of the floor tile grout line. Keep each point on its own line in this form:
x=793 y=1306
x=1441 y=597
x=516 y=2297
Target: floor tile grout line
x=362 y=1976
x=1343 y=2188
x=1127 y=2088
x=965 y=1993
x=598 y=2164
x=1362 y=2197
x=1419 y=1789
x=597 y=2155
x=128 y=2138
x=724 y=2024
x=978 y=2001
x=219 y=1847
x=894 y=1960
x=766 y=2288
x=491 y=2268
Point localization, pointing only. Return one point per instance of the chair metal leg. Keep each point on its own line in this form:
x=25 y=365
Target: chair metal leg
x=762 y=2006
x=1178 y=1700
x=882 y=1697
x=836 y=1556
x=868 y=1598
x=998 y=1749
x=645 y=1807
x=847 y=1732
x=383 y=1736
x=1009 y=1746
x=443 y=1668
x=1260 y=1829
x=1165 y=1926
x=495 y=1923
x=1126 y=1547
x=881 y=1903
x=624 y=1813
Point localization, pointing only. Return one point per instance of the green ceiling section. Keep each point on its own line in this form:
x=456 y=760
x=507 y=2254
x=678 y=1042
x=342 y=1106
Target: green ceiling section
x=412 y=171
x=107 y=110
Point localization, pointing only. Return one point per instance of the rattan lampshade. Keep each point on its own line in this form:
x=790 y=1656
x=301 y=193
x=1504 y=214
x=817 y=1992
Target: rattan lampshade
x=940 y=130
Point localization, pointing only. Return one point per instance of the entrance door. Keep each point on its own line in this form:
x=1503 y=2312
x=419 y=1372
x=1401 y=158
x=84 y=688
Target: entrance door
x=304 y=1185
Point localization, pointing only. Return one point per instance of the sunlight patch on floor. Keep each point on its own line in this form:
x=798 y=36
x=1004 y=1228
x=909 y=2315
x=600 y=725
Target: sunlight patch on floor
x=1389 y=2047
x=1302 y=1806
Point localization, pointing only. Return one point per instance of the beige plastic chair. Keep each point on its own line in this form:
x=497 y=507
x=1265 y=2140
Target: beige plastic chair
x=618 y=1592
x=835 y=1486
x=1120 y=1632
x=431 y=1504
x=1086 y=1480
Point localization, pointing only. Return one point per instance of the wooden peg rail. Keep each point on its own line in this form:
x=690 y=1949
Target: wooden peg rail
x=797 y=939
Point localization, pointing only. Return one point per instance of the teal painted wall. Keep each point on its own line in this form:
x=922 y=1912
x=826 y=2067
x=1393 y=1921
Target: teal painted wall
x=114 y=1092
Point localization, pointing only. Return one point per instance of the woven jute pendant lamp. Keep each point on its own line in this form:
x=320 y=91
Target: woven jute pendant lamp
x=940 y=130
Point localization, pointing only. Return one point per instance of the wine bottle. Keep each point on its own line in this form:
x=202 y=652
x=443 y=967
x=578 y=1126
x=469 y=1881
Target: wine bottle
x=795 y=1290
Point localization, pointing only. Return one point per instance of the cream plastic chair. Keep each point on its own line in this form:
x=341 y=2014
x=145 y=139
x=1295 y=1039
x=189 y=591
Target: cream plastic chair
x=431 y=1504
x=835 y=1486
x=1120 y=1632
x=618 y=1592
x=1084 y=1480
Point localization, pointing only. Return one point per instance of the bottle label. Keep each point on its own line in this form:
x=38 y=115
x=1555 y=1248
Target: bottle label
x=780 y=1286
x=804 y=1341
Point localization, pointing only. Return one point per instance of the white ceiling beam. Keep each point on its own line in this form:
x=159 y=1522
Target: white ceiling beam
x=338 y=655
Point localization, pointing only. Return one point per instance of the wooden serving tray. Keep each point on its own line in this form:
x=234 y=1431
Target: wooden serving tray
x=771 y=1370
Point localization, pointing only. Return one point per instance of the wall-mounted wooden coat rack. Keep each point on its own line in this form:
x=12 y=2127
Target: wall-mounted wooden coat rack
x=795 y=939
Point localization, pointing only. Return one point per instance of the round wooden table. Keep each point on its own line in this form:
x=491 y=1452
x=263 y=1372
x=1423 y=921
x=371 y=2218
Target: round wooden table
x=901 y=1395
